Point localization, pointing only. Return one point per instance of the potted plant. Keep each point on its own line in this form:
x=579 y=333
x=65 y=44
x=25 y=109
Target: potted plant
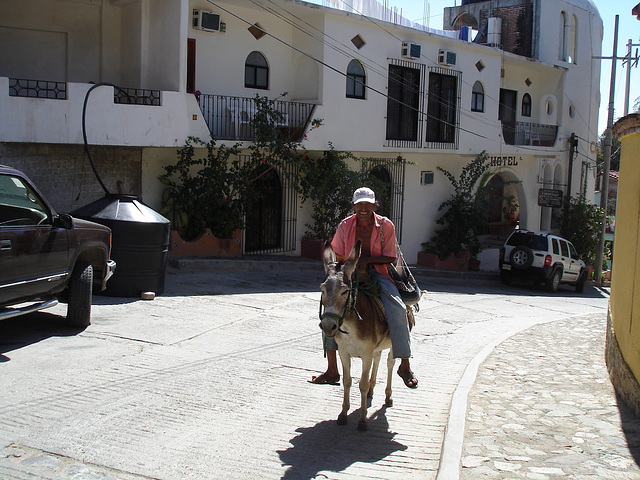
x=510 y=208
x=464 y=215
x=206 y=195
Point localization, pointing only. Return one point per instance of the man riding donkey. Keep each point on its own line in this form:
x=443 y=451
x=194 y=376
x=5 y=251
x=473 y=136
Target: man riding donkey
x=378 y=238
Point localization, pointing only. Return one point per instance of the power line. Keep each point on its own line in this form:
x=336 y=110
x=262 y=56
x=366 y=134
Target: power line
x=463 y=111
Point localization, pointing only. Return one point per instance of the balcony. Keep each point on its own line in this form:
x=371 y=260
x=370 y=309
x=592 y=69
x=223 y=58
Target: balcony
x=46 y=111
x=527 y=133
x=231 y=118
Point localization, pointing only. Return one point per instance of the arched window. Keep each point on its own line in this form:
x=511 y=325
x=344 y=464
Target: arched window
x=356 y=80
x=526 y=105
x=477 y=98
x=563 y=44
x=256 y=71
x=562 y=49
x=573 y=41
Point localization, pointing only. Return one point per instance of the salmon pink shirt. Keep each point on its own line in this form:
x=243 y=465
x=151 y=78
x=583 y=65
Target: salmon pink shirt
x=345 y=238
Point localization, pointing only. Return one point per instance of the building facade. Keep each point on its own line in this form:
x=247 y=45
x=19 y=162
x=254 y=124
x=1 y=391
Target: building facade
x=513 y=78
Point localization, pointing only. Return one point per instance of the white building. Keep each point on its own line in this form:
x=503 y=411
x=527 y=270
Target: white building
x=520 y=91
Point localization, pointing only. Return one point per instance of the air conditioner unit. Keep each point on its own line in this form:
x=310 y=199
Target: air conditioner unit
x=446 y=57
x=207 y=21
x=410 y=50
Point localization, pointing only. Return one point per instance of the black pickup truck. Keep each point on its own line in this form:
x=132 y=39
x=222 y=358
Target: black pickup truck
x=46 y=257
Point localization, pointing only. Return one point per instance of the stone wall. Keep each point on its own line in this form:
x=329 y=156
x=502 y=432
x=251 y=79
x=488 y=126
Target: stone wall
x=620 y=374
x=64 y=175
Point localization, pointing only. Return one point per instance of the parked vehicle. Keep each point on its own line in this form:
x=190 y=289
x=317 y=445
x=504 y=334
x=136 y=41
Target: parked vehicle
x=47 y=256
x=542 y=258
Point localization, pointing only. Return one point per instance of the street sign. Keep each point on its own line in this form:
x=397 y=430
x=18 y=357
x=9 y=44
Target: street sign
x=548 y=197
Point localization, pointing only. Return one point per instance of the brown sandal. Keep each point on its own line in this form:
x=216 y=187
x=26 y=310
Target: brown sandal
x=409 y=378
x=325 y=379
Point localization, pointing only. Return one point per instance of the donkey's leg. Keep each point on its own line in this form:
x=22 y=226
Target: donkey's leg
x=364 y=389
x=391 y=362
x=346 y=382
x=374 y=375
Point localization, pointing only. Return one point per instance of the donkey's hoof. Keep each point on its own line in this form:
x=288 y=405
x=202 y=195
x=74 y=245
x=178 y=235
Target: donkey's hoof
x=362 y=425
x=342 y=419
x=388 y=402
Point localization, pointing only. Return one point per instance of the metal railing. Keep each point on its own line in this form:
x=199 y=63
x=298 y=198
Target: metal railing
x=231 y=118
x=24 y=87
x=137 y=96
x=533 y=134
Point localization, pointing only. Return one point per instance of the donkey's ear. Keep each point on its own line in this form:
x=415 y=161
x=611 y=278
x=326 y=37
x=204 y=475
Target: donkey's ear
x=352 y=262
x=329 y=258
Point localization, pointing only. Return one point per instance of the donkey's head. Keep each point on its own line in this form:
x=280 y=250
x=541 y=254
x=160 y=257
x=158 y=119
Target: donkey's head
x=336 y=289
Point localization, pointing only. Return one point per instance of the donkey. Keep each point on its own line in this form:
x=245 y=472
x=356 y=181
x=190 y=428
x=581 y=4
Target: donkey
x=359 y=327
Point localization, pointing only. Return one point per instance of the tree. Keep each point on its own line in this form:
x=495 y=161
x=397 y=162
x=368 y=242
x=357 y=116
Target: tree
x=215 y=190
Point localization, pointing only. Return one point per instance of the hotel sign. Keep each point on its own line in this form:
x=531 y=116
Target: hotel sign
x=548 y=197
x=504 y=160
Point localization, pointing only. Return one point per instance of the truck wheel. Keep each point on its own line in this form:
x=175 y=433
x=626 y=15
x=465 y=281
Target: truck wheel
x=554 y=282
x=581 y=282
x=80 y=295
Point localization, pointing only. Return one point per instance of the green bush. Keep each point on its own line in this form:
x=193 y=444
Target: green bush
x=582 y=226
x=465 y=212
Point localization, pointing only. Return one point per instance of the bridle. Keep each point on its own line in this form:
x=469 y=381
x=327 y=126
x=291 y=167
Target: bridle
x=349 y=306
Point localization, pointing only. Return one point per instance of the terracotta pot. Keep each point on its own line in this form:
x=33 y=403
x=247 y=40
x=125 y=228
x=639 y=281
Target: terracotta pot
x=206 y=245
x=310 y=248
x=452 y=262
x=474 y=264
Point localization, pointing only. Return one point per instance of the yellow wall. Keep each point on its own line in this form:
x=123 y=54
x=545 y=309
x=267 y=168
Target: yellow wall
x=624 y=304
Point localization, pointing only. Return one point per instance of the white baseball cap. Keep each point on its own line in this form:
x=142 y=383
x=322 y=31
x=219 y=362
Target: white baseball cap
x=364 y=194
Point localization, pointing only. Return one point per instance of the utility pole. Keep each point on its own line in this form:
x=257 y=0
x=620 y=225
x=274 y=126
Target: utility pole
x=573 y=148
x=604 y=184
x=628 y=60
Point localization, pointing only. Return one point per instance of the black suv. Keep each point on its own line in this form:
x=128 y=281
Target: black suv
x=46 y=256
x=543 y=258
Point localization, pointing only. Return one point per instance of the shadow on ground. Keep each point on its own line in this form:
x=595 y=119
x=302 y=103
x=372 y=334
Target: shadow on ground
x=631 y=428
x=25 y=330
x=329 y=447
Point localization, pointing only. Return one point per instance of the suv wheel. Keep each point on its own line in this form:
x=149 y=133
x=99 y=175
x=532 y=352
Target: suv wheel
x=554 y=282
x=581 y=281
x=521 y=258
x=80 y=295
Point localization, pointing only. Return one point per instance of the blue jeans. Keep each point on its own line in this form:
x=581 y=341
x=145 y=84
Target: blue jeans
x=396 y=319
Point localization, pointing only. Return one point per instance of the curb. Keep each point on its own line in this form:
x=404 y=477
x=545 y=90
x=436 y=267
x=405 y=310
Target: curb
x=283 y=263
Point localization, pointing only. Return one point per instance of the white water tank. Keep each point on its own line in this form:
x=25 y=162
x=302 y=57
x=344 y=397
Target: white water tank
x=494 y=31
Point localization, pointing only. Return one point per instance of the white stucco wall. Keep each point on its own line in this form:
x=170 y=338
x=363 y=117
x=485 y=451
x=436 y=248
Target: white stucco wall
x=143 y=43
x=37 y=120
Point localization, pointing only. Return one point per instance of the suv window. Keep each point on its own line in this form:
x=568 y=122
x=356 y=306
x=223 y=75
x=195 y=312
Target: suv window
x=574 y=254
x=556 y=247
x=565 y=249
x=534 y=242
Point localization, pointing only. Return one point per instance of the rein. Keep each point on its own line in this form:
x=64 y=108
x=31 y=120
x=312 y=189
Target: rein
x=352 y=297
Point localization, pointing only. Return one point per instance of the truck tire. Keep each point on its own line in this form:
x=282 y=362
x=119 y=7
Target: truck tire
x=554 y=282
x=80 y=295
